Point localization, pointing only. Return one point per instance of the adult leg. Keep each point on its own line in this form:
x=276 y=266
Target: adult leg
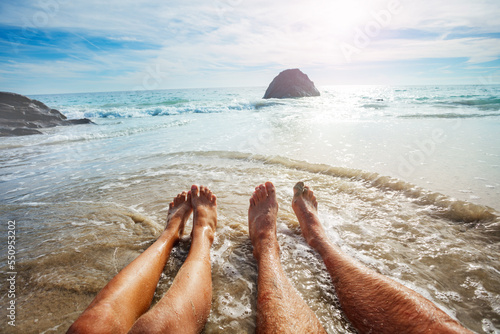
x=130 y=292
x=372 y=302
x=280 y=309
x=186 y=305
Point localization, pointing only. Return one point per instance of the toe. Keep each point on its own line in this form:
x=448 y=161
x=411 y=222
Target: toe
x=310 y=194
x=270 y=188
x=180 y=198
x=209 y=194
x=194 y=190
x=262 y=191
x=255 y=196
x=298 y=189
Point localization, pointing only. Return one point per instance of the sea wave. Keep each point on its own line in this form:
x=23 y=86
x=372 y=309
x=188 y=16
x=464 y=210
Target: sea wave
x=166 y=108
x=450 y=115
x=87 y=136
x=435 y=204
x=267 y=103
x=375 y=106
x=490 y=103
x=493 y=101
x=444 y=102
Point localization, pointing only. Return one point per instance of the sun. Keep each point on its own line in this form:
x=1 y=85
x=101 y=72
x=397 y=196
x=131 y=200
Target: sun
x=343 y=16
x=338 y=19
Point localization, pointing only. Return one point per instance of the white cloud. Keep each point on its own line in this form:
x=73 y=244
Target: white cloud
x=477 y=50
x=204 y=41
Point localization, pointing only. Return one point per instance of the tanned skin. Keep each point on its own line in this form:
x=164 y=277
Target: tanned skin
x=122 y=305
x=373 y=303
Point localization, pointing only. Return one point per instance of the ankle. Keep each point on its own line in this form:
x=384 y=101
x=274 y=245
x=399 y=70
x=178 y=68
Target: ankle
x=266 y=247
x=204 y=232
x=171 y=232
x=325 y=247
x=313 y=230
x=317 y=243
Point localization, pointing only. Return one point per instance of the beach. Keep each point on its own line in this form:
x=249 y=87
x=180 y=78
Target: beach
x=407 y=179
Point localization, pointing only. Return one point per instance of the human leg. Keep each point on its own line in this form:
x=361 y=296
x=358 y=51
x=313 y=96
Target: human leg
x=186 y=305
x=280 y=309
x=372 y=302
x=129 y=294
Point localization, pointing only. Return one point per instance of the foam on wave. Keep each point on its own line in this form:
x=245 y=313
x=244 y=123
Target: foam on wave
x=438 y=205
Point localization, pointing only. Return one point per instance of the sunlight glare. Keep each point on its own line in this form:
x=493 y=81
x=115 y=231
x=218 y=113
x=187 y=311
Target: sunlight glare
x=340 y=18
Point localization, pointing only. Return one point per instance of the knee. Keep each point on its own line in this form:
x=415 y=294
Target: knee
x=171 y=319
x=146 y=324
x=99 y=319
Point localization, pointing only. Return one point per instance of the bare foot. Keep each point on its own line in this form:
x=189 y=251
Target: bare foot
x=262 y=215
x=179 y=211
x=204 y=204
x=305 y=206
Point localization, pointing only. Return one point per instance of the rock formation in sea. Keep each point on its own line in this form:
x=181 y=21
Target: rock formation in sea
x=20 y=115
x=291 y=83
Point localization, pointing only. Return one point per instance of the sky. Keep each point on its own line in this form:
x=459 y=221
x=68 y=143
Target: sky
x=68 y=46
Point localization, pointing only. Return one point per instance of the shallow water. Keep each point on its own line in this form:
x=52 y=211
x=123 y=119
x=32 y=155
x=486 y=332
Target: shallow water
x=88 y=200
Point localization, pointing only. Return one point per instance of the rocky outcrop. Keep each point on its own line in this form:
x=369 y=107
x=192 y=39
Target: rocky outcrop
x=20 y=115
x=291 y=83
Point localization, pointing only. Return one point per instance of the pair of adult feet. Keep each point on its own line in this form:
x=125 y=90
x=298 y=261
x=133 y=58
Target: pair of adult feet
x=203 y=203
x=279 y=307
x=366 y=305
x=262 y=215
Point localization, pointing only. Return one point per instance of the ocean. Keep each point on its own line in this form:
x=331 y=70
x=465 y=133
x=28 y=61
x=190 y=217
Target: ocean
x=407 y=179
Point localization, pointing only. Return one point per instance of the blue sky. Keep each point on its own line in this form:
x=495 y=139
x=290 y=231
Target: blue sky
x=62 y=46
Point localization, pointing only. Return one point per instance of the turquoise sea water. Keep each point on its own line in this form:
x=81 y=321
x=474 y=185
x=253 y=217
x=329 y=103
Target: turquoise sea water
x=408 y=181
